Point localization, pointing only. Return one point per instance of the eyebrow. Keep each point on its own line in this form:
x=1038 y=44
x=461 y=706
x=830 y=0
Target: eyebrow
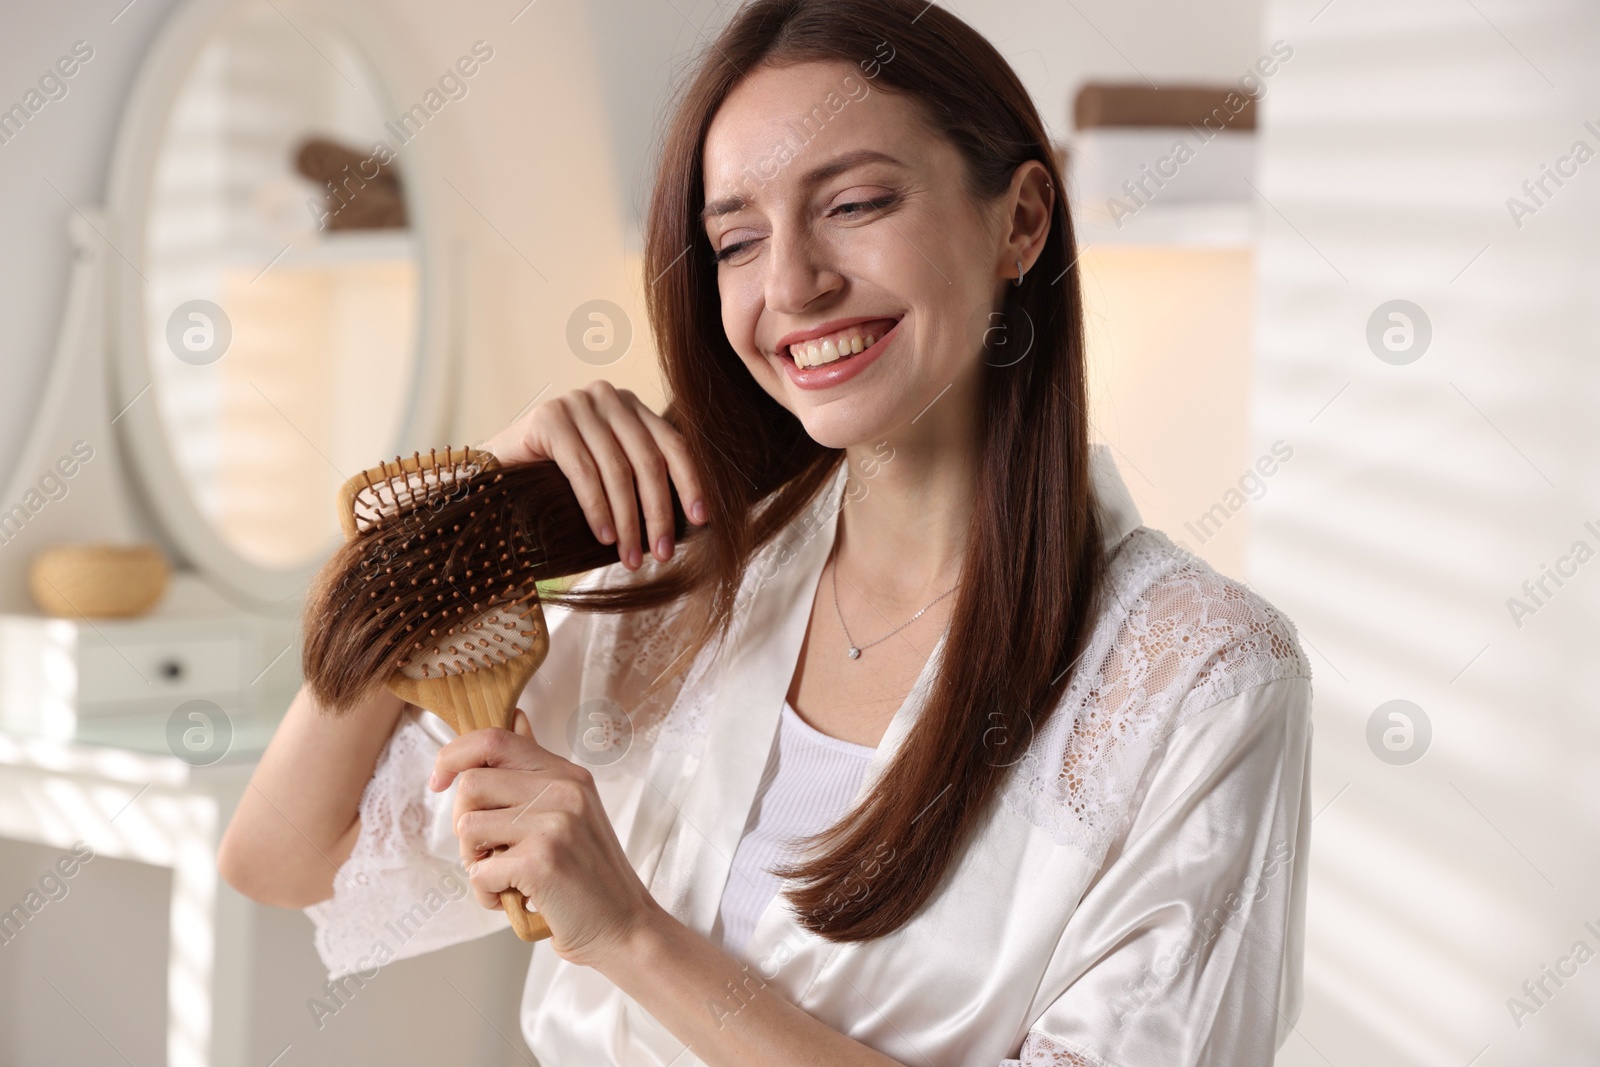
x=834 y=167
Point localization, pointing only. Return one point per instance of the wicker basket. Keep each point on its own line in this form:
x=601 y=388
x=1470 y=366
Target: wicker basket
x=98 y=581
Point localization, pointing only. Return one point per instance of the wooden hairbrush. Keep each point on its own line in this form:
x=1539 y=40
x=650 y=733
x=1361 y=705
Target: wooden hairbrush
x=480 y=634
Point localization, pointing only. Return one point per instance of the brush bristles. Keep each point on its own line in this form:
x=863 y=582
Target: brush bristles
x=399 y=490
x=440 y=576
x=486 y=641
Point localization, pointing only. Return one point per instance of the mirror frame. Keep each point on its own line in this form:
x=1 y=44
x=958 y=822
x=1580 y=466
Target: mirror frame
x=162 y=76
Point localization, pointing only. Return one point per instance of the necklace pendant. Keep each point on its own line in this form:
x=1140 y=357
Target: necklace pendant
x=854 y=653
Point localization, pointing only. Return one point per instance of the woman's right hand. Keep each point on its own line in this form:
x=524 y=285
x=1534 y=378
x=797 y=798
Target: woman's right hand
x=610 y=445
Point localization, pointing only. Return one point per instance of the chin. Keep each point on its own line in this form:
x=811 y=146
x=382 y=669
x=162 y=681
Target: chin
x=843 y=424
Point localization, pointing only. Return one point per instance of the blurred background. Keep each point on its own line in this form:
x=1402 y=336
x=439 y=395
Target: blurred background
x=1344 y=343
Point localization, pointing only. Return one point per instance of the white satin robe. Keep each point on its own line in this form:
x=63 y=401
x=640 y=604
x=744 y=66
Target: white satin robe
x=1136 y=896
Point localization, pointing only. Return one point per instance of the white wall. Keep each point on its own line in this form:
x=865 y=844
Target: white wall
x=1420 y=499
x=58 y=161
x=1057 y=46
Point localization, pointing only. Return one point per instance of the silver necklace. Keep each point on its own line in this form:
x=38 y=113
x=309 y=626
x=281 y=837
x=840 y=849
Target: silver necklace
x=855 y=649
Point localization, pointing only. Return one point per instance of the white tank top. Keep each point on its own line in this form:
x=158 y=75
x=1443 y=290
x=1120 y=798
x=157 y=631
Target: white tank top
x=810 y=780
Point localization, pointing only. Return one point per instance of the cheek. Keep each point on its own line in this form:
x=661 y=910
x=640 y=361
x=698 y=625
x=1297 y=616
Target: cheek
x=739 y=294
x=926 y=262
x=940 y=301
x=957 y=289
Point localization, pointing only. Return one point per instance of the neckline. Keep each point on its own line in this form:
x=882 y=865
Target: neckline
x=817 y=736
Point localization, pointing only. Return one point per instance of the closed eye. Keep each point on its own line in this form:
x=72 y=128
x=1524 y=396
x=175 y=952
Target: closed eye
x=730 y=251
x=853 y=209
x=856 y=208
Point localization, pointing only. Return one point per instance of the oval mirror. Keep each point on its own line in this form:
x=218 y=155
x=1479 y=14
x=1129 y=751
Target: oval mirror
x=277 y=317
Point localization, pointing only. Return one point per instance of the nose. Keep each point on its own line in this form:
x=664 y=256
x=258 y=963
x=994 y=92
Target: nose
x=798 y=274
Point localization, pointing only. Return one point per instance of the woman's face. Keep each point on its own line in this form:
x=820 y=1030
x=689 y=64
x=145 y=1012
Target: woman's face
x=838 y=213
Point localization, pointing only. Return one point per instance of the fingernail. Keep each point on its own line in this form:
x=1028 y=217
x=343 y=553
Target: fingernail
x=664 y=547
x=635 y=558
x=607 y=534
x=697 y=511
x=433 y=781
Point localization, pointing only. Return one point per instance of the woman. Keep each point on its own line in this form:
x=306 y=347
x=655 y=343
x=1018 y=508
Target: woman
x=1055 y=769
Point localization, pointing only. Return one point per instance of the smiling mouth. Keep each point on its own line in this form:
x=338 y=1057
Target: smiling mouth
x=841 y=344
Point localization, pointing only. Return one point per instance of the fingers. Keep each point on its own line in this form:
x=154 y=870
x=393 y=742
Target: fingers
x=517 y=443
x=622 y=411
x=528 y=857
x=489 y=875
x=490 y=748
x=573 y=452
x=514 y=815
x=495 y=788
x=619 y=456
x=494 y=874
x=616 y=470
x=679 y=463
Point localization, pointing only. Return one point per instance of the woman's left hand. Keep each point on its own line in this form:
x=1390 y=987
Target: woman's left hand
x=562 y=854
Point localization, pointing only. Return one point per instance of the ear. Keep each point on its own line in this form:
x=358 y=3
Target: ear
x=1031 y=203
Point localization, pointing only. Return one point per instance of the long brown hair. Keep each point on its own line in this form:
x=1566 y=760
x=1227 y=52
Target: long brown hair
x=1034 y=557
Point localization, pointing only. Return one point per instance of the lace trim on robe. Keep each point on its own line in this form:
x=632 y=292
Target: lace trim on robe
x=1040 y=1050
x=1176 y=638
x=396 y=896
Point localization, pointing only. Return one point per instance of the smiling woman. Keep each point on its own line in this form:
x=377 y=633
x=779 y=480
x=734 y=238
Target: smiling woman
x=922 y=749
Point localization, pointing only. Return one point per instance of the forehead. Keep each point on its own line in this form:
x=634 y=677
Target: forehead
x=779 y=123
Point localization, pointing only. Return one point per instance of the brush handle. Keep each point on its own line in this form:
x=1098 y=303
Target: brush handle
x=491 y=698
x=493 y=702
x=529 y=925
x=480 y=700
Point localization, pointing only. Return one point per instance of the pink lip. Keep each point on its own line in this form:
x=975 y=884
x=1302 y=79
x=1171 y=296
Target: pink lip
x=840 y=370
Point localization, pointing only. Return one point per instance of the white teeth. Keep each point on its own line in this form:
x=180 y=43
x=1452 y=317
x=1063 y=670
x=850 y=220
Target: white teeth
x=816 y=353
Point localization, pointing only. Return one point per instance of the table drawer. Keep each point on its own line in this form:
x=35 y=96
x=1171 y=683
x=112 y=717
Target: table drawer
x=177 y=669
